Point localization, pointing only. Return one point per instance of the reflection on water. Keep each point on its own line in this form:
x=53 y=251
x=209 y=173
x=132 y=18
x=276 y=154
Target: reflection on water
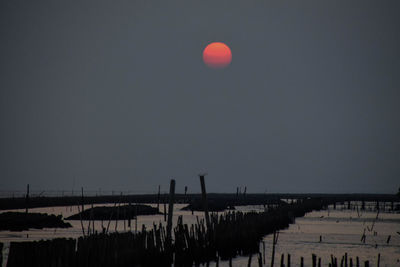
x=340 y=231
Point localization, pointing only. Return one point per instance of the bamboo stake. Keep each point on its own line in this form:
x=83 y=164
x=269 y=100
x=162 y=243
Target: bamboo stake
x=158 y=198
x=27 y=199
x=80 y=218
x=204 y=197
x=170 y=209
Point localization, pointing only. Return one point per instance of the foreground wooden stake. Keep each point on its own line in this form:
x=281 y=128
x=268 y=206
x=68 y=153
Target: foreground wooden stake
x=27 y=198
x=204 y=197
x=170 y=208
x=82 y=201
x=158 y=198
x=165 y=207
x=274 y=242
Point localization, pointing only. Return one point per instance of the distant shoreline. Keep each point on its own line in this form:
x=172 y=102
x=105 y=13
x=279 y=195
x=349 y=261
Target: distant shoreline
x=236 y=199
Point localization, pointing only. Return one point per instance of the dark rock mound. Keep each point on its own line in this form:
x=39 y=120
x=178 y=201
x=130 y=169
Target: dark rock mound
x=114 y=213
x=213 y=206
x=19 y=221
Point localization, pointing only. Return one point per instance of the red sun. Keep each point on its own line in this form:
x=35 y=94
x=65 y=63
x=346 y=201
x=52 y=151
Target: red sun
x=217 y=55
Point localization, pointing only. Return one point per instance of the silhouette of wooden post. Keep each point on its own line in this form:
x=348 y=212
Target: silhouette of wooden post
x=129 y=215
x=204 y=197
x=83 y=206
x=27 y=199
x=274 y=242
x=165 y=207
x=158 y=199
x=136 y=213
x=170 y=209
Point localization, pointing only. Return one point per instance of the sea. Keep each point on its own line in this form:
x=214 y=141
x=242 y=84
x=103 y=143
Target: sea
x=331 y=232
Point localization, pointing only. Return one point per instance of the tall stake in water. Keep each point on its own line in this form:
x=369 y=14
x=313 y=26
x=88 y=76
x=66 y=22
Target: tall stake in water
x=170 y=209
x=27 y=199
x=204 y=197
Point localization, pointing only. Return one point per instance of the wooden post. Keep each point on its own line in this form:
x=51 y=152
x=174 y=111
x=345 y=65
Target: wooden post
x=249 y=262
x=27 y=199
x=204 y=196
x=124 y=218
x=82 y=203
x=165 y=208
x=274 y=241
x=379 y=259
x=170 y=209
x=301 y=262
x=158 y=198
x=136 y=217
x=129 y=216
x=357 y=262
x=314 y=260
x=263 y=252
x=117 y=218
x=288 y=260
x=80 y=218
x=92 y=218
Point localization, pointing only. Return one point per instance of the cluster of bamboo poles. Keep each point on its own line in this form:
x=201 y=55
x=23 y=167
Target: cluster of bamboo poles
x=56 y=252
x=223 y=236
x=385 y=206
x=226 y=236
x=316 y=261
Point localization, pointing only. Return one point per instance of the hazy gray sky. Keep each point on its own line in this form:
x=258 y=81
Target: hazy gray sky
x=115 y=94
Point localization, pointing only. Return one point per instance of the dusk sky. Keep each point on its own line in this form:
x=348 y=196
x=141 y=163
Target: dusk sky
x=115 y=95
